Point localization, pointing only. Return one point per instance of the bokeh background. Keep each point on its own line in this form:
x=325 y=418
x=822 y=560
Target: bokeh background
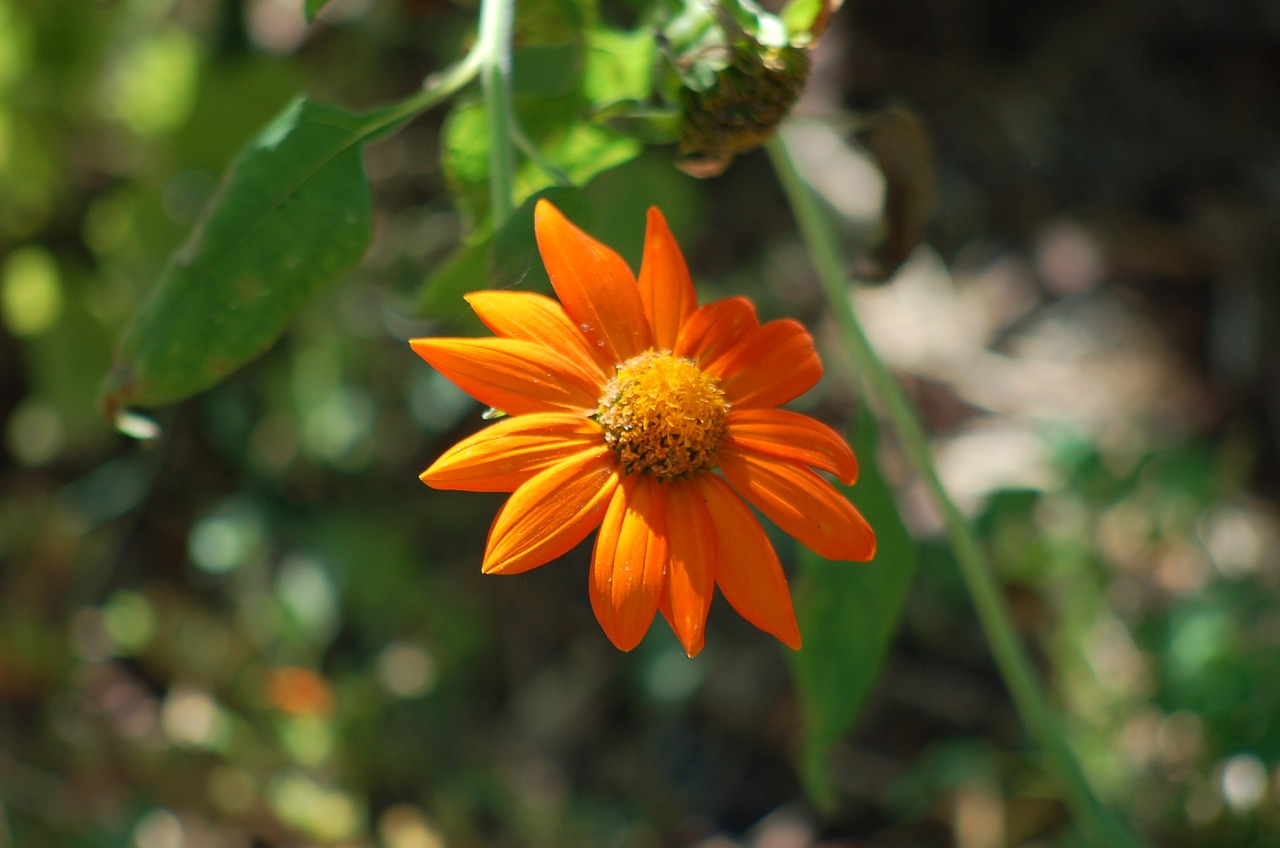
x=263 y=630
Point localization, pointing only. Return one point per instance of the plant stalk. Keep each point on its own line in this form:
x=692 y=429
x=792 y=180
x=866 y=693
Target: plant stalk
x=1098 y=824
x=494 y=49
x=435 y=89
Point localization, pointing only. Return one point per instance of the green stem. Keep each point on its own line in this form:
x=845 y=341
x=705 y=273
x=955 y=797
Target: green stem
x=494 y=47
x=490 y=59
x=435 y=89
x=1015 y=666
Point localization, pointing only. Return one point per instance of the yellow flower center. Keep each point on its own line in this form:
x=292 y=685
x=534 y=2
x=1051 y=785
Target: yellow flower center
x=662 y=415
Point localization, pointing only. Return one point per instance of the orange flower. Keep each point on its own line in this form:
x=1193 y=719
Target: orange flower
x=623 y=399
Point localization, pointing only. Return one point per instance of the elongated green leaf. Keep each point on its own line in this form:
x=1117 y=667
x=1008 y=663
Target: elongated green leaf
x=293 y=213
x=848 y=613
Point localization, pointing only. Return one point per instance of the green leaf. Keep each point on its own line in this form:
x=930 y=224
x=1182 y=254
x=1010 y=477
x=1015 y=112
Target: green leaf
x=558 y=127
x=765 y=28
x=546 y=71
x=507 y=259
x=645 y=123
x=581 y=150
x=464 y=157
x=514 y=262
x=293 y=213
x=800 y=15
x=466 y=270
x=848 y=613
x=553 y=21
x=619 y=65
x=561 y=91
x=313 y=8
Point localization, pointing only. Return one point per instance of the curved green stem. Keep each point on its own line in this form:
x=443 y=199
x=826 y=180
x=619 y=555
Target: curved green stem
x=494 y=48
x=490 y=59
x=1102 y=829
x=435 y=89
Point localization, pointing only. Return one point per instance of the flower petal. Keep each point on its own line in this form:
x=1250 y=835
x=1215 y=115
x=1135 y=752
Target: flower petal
x=770 y=366
x=793 y=437
x=504 y=455
x=747 y=569
x=691 y=537
x=537 y=318
x=801 y=503
x=551 y=512
x=513 y=375
x=713 y=330
x=666 y=289
x=629 y=562
x=597 y=288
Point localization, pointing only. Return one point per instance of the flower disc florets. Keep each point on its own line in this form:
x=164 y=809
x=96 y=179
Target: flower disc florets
x=662 y=415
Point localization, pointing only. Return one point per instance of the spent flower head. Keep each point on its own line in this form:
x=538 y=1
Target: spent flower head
x=740 y=70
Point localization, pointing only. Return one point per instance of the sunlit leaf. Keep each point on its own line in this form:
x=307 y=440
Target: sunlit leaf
x=292 y=214
x=807 y=20
x=580 y=150
x=799 y=15
x=619 y=81
x=562 y=93
x=572 y=148
x=848 y=614
x=765 y=28
x=619 y=66
x=464 y=155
